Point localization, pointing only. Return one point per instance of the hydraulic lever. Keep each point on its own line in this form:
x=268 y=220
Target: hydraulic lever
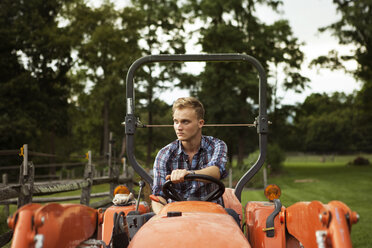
x=141 y=185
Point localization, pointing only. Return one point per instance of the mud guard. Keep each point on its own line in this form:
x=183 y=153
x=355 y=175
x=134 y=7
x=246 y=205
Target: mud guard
x=256 y=215
x=231 y=201
x=325 y=224
x=53 y=225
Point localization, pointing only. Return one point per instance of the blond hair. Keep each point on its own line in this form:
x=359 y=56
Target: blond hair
x=189 y=102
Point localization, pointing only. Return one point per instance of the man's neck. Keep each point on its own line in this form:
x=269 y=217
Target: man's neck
x=192 y=146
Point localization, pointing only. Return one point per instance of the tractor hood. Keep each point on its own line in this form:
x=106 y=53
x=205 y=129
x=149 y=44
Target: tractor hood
x=191 y=229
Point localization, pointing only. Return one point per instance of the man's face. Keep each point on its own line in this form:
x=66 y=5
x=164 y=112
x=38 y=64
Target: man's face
x=186 y=124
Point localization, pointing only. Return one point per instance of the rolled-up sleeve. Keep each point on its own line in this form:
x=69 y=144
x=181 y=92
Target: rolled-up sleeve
x=219 y=157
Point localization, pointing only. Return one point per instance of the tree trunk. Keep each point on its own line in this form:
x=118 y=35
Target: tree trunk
x=241 y=148
x=52 y=170
x=105 y=128
x=123 y=148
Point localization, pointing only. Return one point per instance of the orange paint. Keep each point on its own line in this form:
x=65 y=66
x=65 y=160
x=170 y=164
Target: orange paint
x=108 y=218
x=192 y=229
x=193 y=206
x=201 y=224
x=305 y=219
x=255 y=219
x=60 y=225
x=231 y=201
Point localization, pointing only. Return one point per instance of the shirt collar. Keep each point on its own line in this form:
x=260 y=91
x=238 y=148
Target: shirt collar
x=203 y=145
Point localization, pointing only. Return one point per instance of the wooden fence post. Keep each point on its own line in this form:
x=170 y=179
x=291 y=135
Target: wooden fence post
x=125 y=167
x=113 y=170
x=26 y=179
x=88 y=176
x=5 y=182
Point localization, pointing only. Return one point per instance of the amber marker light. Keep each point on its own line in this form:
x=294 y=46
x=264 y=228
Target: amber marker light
x=121 y=189
x=272 y=192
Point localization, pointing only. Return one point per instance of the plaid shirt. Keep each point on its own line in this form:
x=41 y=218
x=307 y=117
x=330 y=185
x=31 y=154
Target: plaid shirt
x=212 y=151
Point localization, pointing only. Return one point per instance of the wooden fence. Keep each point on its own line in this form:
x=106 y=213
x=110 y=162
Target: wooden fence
x=23 y=192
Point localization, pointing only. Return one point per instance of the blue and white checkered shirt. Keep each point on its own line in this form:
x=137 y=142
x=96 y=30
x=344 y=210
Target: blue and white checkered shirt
x=212 y=151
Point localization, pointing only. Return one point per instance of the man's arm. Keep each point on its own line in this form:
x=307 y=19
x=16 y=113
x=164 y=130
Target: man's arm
x=158 y=206
x=178 y=175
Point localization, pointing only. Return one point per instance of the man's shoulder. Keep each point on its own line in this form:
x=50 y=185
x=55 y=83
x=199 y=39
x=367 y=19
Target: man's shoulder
x=212 y=140
x=170 y=148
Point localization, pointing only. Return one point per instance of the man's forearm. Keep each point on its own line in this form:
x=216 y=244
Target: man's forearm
x=158 y=206
x=212 y=171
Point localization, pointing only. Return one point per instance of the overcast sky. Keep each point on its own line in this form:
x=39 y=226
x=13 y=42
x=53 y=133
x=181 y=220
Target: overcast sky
x=305 y=17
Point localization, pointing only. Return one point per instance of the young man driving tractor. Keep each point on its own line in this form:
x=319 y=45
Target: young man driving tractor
x=191 y=153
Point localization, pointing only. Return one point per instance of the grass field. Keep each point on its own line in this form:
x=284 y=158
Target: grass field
x=308 y=178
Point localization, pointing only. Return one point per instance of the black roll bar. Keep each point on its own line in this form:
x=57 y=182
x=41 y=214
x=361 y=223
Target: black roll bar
x=261 y=120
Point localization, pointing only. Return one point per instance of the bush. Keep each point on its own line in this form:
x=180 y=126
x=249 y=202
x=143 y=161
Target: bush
x=360 y=161
x=275 y=158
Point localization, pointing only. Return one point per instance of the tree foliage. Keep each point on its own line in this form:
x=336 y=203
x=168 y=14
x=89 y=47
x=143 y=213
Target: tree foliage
x=107 y=45
x=162 y=33
x=230 y=91
x=64 y=63
x=354 y=27
x=325 y=123
x=34 y=84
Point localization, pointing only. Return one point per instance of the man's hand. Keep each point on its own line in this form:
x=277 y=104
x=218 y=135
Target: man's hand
x=177 y=176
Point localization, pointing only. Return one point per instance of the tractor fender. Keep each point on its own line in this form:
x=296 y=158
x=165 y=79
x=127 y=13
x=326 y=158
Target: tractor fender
x=53 y=225
x=256 y=214
x=108 y=218
x=231 y=201
x=325 y=224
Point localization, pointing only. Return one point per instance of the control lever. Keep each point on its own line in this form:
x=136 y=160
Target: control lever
x=141 y=185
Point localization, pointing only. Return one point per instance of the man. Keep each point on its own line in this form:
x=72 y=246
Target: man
x=191 y=153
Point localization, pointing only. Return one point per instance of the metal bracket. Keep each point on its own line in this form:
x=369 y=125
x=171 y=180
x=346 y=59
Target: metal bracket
x=262 y=124
x=270 y=232
x=130 y=124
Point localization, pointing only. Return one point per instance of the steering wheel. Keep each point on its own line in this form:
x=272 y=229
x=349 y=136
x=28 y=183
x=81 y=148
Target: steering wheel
x=171 y=193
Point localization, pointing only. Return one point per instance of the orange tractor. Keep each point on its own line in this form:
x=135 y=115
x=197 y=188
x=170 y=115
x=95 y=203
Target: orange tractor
x=196 y=223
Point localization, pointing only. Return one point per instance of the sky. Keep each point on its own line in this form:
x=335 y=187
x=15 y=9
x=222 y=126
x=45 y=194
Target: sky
x=305 y=17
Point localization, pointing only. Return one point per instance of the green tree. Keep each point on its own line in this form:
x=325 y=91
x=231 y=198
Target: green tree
x=162 y=34
x=107 y=45
x=230 y=91
x=34 y=84
x=325 y=123
x=354 y=28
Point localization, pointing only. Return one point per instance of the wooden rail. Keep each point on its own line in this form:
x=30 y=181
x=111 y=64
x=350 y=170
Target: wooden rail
x=55 y=199
x=24 y=192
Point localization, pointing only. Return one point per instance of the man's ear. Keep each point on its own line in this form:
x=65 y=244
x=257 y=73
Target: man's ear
x=201 y=123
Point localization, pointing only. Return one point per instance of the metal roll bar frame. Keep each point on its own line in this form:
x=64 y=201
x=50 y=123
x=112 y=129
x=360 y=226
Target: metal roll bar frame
x=261 y=120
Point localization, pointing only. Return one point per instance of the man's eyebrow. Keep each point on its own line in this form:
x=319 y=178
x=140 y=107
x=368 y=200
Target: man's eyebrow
x=185 y=119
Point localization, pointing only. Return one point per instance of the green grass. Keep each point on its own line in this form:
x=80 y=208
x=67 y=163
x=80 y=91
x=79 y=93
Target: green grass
x=308 y=179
